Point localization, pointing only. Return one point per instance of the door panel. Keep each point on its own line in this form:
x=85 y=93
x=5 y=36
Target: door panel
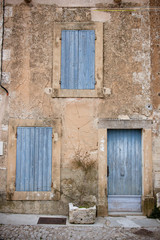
x=124 y=159
x=128 y=203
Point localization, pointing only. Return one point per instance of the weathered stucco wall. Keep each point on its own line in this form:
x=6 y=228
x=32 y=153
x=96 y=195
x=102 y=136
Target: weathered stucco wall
x=130 y=80
x=155 y=86
x=3 y=119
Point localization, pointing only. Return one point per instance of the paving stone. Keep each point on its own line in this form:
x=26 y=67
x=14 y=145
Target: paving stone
x=77 y=233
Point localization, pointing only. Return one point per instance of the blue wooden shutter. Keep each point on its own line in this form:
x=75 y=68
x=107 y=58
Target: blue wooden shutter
x=86 y=59
x=34 y=159
x=69 y=59
x=78 y=59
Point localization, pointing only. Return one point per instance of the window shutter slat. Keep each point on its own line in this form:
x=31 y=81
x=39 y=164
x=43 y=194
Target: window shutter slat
x=18 y=162
x=32 y=154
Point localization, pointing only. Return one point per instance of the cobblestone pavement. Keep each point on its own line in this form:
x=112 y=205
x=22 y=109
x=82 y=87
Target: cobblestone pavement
x=19 y=232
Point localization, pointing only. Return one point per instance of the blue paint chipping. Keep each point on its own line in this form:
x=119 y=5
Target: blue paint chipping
x=78 y=59
x=34 y=159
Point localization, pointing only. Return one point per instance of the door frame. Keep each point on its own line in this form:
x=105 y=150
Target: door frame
x=147 y=182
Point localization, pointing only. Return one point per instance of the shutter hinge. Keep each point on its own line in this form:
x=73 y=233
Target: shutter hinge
x=60 y=82
x=95 y=83
x=95 y=37
x=16 y=134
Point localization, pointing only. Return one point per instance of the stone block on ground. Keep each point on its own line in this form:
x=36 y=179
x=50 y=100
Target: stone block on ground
x=82 y=215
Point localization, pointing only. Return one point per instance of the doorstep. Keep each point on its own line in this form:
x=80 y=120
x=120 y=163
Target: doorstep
x=124 y=214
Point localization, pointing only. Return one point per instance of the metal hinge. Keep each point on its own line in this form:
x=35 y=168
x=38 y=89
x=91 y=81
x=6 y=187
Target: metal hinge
x=107 y=171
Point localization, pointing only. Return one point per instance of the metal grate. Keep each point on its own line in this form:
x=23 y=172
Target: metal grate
x=46 y=220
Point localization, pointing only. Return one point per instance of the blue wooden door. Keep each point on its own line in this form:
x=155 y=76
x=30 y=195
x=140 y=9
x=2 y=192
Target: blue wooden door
x=124 y=160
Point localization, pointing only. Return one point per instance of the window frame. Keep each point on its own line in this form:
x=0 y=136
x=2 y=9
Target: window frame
x=54 y=194
x=56 y=84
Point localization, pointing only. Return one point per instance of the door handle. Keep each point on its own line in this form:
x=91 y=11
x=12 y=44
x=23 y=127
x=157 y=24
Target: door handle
x=107 y=171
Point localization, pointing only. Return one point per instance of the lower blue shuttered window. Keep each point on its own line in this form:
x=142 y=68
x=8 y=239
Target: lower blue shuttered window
x=78 y=59
x=34 y=159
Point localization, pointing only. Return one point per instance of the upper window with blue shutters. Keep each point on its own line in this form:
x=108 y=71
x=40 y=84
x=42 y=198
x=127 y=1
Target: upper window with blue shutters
x=78 y=60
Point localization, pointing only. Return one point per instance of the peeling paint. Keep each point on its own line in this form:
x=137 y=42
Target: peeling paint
x=102 y=144
x=8 y=11
x=6 y=54
x=6 y=79
x=4 y=127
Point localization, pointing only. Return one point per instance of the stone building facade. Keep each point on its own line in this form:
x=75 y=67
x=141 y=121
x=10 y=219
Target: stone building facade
x=126 y=96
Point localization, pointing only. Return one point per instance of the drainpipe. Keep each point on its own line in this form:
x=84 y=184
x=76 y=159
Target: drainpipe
x=2 y=42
